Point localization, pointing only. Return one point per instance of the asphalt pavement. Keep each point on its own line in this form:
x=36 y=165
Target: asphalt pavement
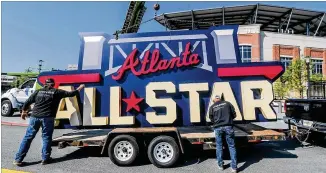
x=15 y=120
x=276 y=157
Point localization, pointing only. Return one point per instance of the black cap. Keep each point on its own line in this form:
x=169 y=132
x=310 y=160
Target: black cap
x=49 y=81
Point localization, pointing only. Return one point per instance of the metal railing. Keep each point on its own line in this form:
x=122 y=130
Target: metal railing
x=318 y=89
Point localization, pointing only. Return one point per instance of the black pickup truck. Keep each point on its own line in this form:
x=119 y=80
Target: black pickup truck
x=306 y=115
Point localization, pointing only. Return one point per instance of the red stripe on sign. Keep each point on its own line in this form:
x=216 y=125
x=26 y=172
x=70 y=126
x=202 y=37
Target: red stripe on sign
x=72 y=79
x=269 y=72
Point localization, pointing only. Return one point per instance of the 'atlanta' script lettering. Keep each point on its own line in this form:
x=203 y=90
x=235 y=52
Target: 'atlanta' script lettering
x=155 y=64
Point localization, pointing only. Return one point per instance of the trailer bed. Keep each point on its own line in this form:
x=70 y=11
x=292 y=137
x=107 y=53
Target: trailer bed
x=89 y=137
x=250 y=132
x=195 y=135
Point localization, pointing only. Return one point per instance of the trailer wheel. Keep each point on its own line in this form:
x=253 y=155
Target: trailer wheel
x=123 y=150
x=6 y=108
x=163 y=151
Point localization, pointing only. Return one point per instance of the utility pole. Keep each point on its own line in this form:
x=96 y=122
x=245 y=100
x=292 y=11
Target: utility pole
x=308 y=76
x=40 y=65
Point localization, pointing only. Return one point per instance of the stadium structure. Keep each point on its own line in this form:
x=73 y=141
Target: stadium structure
x=266 y=32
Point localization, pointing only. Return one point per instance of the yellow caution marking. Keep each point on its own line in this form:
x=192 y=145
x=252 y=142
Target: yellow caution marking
x=12 y=171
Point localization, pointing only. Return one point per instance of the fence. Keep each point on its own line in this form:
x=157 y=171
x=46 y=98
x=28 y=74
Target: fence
x=318 y=90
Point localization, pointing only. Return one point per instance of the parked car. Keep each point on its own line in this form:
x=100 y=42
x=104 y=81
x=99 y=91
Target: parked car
x=14 y=98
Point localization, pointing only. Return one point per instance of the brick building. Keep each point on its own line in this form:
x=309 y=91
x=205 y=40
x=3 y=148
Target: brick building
x=266 y=33
x=256 y=45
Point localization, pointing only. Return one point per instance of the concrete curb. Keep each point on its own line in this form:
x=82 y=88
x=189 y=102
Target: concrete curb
x=13 y=124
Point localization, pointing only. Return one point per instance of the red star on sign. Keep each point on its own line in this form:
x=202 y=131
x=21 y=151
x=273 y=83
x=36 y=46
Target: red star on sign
x=132 y=102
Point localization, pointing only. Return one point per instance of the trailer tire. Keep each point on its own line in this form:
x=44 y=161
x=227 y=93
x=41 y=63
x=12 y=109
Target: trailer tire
x=123 y=150
x=163 y=151
x=6 y=108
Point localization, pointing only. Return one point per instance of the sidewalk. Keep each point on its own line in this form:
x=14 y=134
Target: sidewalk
x=15 y=120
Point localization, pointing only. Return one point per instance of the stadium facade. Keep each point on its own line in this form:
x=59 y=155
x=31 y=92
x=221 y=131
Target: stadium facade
x=266 y=32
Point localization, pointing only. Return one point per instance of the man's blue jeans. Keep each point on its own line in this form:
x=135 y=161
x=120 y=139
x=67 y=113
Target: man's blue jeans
x=47 y=125
x=229 y=134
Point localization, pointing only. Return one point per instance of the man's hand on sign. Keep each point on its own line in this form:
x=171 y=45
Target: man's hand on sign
x=81 y=87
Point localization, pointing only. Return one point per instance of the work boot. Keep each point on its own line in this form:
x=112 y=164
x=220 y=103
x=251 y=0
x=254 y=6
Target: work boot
x=17 y=163
x=220 y=167
x=233 y=170
x=47 y=161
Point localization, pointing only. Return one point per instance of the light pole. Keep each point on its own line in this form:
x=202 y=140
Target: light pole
x=308 y=76
x=40 y=66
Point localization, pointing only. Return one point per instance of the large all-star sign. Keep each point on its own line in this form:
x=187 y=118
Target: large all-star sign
x=168 y=78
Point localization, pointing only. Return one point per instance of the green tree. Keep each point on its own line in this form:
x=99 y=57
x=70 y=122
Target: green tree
x=298 y=76
x=280 y=88
x=22 y=77
x=295 y=78
x=316 y=77
x=18 y=81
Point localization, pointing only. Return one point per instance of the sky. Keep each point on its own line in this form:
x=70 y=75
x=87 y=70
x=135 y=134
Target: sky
x=31 y=31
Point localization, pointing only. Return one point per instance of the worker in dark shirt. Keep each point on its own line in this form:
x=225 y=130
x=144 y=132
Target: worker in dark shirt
x=221 y=114
x=43 y=114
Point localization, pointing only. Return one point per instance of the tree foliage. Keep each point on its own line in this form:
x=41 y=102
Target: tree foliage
x=316 y=77
x=294 y=79
x=297 y=72
x=19 y=80
x=280 y=88
x=22 y=77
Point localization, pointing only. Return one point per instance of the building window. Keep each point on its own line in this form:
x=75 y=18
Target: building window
x=245 y=53
x=286 y=61
x=317 y=66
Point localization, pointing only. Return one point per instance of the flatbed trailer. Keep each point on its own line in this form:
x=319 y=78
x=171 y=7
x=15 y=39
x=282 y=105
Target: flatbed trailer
x=108 y=139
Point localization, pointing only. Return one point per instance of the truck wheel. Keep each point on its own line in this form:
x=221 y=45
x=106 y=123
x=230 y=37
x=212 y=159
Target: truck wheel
x=6 y=108
x=123 y=150
x=163 y=151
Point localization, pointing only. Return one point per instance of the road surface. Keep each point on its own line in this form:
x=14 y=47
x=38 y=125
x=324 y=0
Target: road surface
x=286 y=156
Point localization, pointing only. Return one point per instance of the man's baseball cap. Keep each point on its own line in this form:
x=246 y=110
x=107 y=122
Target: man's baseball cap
x=49 y=81
x=217 y=96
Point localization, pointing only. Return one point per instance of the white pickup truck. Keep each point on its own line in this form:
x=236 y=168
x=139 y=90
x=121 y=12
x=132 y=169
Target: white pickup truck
x=14 y=98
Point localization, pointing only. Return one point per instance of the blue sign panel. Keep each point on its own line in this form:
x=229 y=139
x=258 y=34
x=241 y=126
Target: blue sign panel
x=164 y=78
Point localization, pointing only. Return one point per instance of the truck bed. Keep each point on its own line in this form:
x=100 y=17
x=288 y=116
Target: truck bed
x=201 y=134
x=306 y=109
